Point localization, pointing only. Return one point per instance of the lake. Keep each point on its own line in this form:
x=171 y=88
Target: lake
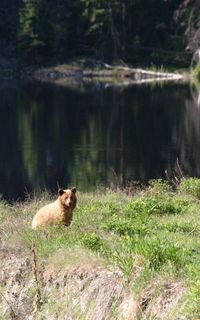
x=89 y=134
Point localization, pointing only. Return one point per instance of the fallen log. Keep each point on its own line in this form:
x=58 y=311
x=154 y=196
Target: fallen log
x=138 y=74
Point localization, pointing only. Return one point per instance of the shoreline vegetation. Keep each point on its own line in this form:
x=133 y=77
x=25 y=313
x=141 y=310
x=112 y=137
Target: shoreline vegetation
x=106 y=71
x=129 y=254
x=94 y=69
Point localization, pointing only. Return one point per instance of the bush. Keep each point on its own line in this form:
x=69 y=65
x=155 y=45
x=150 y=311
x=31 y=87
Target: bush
x=159 y=187
x=156 y=253
x=190 y=186
x=91 y=241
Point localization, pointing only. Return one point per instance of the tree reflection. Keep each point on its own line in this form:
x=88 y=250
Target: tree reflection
x=95 y=134
x=186 y=136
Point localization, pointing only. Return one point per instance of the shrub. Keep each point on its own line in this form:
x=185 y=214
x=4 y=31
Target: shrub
x=124 y=226
x=159 y=187
x=156 y=253
x=190 y=186
x=91 y=241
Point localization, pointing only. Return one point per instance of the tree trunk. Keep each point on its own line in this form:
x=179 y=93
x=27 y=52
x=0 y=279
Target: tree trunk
x=113 y=30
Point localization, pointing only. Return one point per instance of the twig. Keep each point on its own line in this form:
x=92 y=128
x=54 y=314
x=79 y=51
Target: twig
x=177 y=175
x=38 y=301
x=58 y=185
x=172 y=180
x=12 y=313
x=179 y=168
x=167 y=175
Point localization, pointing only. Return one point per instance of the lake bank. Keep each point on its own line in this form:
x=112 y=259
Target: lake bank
x=140 y=246
x=105 y=71
x=89 y=70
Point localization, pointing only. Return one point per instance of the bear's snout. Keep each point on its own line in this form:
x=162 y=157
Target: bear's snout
x=68 y=202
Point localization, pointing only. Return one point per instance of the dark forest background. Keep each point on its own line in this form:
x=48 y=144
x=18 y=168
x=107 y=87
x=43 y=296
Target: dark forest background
x=44 y=31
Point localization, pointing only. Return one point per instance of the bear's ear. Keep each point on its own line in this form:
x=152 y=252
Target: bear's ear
x=60 y=192
x=73 y=190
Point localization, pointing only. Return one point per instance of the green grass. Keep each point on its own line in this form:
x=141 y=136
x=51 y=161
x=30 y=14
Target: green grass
x=154 y=234
x=196 y=72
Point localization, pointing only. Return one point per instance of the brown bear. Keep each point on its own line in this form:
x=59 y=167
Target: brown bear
x=57 y=212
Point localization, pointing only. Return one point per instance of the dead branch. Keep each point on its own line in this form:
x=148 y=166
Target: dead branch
x=177 y=175
x=38 y=298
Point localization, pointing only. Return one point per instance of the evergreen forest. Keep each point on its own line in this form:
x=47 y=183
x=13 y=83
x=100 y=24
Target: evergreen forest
x=46 y=31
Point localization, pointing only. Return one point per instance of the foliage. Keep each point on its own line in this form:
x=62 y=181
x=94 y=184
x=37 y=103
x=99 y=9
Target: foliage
x=190 y=186
x=46 y=30
x=29 y=37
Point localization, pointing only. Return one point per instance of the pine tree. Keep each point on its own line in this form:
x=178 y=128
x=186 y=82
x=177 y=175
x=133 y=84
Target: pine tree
x=29 y=38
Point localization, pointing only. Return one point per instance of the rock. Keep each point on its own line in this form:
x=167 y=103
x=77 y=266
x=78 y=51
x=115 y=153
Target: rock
x=79 y=292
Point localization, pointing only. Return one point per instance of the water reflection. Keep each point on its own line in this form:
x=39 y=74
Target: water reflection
x=90 y=134
x=187 y=136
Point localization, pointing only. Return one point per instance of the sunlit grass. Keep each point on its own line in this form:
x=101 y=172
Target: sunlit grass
x=152 y=234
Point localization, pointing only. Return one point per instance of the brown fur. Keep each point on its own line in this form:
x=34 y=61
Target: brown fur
x=57 y=212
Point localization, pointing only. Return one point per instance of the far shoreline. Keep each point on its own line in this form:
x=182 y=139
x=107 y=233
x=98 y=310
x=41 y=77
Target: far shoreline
x=94 y=70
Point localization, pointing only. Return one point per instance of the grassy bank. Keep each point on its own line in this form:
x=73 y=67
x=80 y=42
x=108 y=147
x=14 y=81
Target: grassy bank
x=152 y=237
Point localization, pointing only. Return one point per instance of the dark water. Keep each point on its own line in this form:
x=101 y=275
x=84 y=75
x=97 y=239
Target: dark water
x=91 y=134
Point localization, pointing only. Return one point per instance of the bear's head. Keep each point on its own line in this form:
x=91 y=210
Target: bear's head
x=67 y=197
